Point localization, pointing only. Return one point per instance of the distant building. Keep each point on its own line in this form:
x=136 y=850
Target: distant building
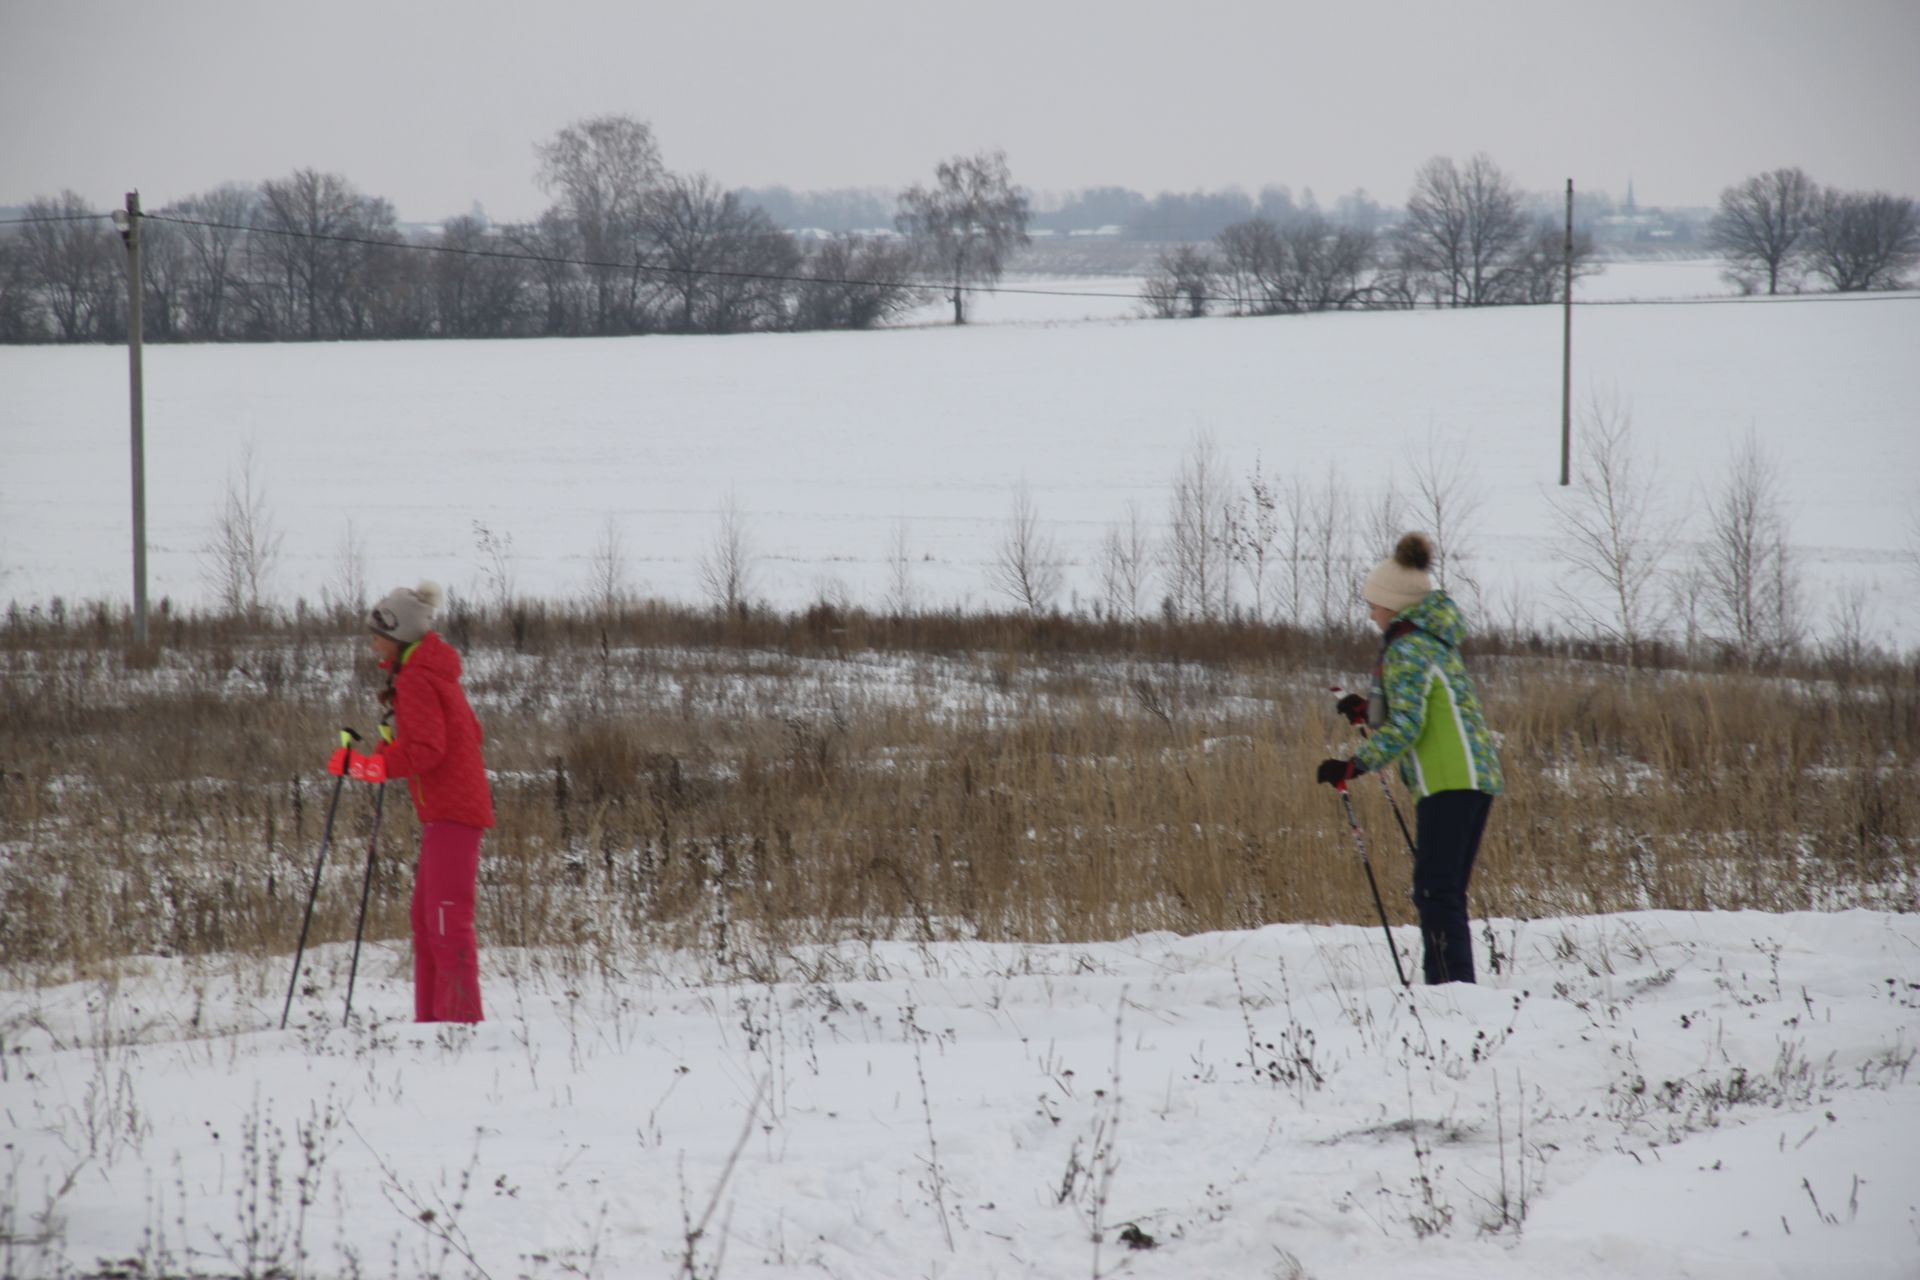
x=1649 y=230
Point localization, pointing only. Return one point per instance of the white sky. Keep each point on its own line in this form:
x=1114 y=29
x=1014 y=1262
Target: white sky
x=435 y=105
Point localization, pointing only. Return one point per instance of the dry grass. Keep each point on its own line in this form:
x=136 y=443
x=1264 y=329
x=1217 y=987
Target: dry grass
x=751 y=782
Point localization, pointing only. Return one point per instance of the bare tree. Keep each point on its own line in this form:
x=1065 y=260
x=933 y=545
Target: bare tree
x=1464 y=226
x=1538 y=272
x=1293 y=547
x=1864 y=240
x=1749 y=571
x=607 y=571
x=1849 y=639
x=309 y=240
x=604 y=170
x=855 y=282
x=1182 y=284
x=1126 y=564
x=1446 y=502
x=477 y=293
x=1194 y=555
x=1687 y=591
x=1329 y=525
x=1385 y=520
x=967 y=223
x=390 y=291
x=900 y=589
x=20 y=312
x=1252 y=258
x=562 y=297
x=1763 y=224
x=1252 y=524
x=345 y=594
x=497 y=572
x=1026 y=565
x=166 y=273
x=1613 y=534
x=75 y=264
x=729 y=565
x=243 y=546
x=1327 y=267
x=213 y=229
x=722 y=266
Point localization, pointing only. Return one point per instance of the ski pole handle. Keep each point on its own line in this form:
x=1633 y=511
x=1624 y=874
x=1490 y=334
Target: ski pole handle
x=341 y=761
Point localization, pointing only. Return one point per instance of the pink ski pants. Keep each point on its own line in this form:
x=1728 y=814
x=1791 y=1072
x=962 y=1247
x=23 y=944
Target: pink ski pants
x=446 y=951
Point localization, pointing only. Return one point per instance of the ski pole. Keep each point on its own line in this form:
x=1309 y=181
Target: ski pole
x=347 y=738
x=1393 y=801
x=1360 y=842
x=366 y=887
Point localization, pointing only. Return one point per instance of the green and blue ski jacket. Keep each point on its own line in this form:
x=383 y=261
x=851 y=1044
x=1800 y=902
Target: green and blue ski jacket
x=1431 y=721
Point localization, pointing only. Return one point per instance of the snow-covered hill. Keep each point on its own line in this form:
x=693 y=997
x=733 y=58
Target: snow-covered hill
x=831 y=443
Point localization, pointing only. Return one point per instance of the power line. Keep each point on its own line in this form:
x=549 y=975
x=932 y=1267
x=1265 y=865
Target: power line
x=53 y=217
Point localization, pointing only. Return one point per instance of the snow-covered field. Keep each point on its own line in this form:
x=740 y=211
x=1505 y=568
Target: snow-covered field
x=1660 y=1094
x=830 y=442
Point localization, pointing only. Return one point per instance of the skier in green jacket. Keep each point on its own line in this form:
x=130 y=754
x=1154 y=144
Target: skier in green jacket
x=1425 y=713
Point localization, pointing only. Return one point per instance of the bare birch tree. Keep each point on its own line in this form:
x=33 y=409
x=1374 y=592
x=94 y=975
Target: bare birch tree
x=607 y=571
x=967 y=223
x=1252 y=524
x=1335 y=581
x=1126 y=565
x=901 y=593
x=1612 y=532
x=345 y=595
x=1446 y=502
x=604 y=171
x=1194 y=554
x=243 y=547
x=1026 y=565
x=729 y=565
x=1749 y=571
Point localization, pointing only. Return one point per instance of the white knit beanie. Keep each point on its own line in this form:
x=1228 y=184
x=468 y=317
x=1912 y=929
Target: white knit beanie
x=405 y=614
x=1401 y=580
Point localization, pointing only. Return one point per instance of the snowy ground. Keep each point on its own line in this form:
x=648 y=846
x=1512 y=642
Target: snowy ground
x=831 y=442
x=1653 y=1095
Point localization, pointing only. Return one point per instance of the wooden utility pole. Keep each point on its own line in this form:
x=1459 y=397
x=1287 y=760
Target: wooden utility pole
x=129 y=224
x=1566 y=352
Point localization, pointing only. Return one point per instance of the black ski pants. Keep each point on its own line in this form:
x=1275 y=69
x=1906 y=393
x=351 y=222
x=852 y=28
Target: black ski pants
x=1448 y=828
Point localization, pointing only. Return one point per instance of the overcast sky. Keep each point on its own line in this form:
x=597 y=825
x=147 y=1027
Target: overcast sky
x=436 y=105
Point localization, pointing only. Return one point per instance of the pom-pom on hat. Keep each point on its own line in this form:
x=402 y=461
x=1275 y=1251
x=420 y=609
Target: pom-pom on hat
x=1402 y=579
x=405 y=614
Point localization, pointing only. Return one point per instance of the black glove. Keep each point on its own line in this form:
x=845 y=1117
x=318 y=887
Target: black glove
x=1353 y=707
x=1337 y=773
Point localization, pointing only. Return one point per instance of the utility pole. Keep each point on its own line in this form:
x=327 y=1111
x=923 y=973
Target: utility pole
x=1566 y=353
x=128 y=221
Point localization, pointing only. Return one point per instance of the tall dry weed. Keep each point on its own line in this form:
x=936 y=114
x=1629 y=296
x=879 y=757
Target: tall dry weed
x=752 y=782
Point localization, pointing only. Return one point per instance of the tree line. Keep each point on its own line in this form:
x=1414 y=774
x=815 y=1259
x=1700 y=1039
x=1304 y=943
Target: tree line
x=626 y=247
x=1780 y=230
x=1467 y=238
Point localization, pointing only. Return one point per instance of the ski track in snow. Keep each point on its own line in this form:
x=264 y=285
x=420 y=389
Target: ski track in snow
x=1702 y=1095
